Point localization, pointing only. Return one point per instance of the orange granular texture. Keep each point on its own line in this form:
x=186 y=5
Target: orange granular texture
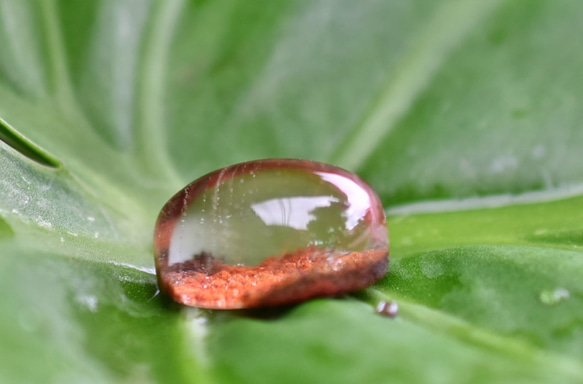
x=302 y=275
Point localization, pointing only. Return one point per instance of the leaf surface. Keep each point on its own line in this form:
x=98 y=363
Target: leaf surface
x=108 y=107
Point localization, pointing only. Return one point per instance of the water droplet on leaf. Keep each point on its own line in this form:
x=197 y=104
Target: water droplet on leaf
x=387 y=308
x=88 y=301
x=276 y=246
x=552 y=297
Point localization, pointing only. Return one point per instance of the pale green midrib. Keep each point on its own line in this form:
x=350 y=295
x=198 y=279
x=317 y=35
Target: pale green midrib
x=151 y=148
x=486 y=202
x=498 y=243
x=411 y=76
x=196 y=345
x=458 y=328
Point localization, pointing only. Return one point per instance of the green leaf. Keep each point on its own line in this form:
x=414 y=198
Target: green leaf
x=108 y=107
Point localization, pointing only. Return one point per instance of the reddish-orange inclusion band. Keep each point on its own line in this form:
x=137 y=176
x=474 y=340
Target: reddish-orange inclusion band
x=282 y=279
x=292 y=278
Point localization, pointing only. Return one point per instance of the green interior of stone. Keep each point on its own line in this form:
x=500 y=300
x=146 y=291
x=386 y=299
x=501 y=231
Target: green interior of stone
x=252 y=216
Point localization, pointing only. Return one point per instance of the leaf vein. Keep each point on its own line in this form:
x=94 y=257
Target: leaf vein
x=411 y=76
x=150 y=137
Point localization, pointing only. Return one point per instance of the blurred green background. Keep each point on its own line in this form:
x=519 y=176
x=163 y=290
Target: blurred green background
x=465 y=116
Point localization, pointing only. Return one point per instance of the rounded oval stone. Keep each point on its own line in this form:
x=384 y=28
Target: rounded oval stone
x=270 y=232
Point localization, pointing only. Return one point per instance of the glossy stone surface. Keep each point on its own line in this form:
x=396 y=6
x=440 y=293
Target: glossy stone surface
x=270 y=232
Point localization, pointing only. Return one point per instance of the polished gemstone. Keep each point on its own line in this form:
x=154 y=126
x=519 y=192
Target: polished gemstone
x=270 y=232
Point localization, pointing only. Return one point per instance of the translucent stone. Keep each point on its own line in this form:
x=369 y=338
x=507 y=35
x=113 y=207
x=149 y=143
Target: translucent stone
x=270 y=232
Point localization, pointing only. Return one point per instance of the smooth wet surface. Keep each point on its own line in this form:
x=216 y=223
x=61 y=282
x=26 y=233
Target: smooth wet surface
x=270 y=232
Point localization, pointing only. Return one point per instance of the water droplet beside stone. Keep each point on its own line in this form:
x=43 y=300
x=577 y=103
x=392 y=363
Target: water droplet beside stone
x=387 y=308
x=270 y=232
x=552 y=297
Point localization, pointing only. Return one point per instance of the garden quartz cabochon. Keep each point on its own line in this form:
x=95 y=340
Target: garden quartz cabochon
x=107 y=108
x=270 y=232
